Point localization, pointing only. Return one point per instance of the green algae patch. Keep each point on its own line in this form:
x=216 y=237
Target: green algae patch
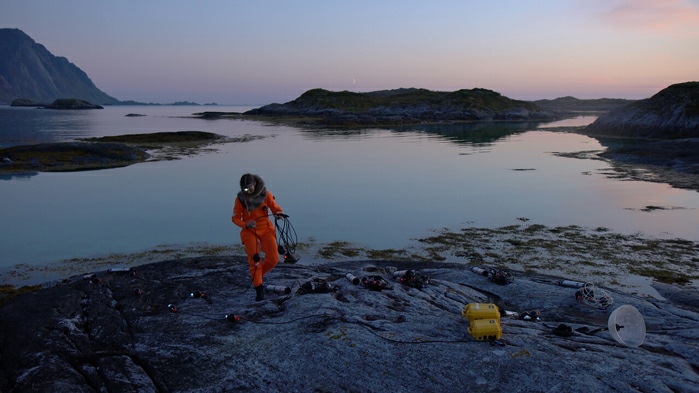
x=626 y=262
x=9 y=292
x=339 y=249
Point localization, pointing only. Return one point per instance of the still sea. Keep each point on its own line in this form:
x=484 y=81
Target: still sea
x=377 y=188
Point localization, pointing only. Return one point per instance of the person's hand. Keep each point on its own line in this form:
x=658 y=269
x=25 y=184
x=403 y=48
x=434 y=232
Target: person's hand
x=250 y=225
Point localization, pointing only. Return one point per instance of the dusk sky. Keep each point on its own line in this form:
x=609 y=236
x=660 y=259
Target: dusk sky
x=264 y=51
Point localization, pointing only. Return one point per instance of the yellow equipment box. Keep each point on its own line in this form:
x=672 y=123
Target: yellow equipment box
x=485 y=329
x=474 y=311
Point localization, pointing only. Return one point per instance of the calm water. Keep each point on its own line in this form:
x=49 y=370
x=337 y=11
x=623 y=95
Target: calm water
x=378 y=188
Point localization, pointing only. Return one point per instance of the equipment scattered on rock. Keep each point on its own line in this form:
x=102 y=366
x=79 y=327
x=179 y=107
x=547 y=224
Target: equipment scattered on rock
x=485 y=329
x=593 y=297
x=315 y=285
x=563 y=330
x=278 y=289
x=375 y=283
x=286 y=239
x=93 y=278
x=474 y=311
x=122 y=270
x=571 y=283
x=480 y=270
x=200 y=294
x=498 y=276
x=627 y=326
x=412 y=278
x=484 y=321
x=352 y=278
x=233 y=318
x=534 y=315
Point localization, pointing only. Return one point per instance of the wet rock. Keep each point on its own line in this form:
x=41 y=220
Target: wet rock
x=151 y=329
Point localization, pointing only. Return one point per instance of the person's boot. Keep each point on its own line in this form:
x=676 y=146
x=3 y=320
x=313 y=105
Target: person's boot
x=260 y=290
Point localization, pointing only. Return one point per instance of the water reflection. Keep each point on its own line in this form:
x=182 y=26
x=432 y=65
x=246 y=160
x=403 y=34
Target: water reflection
x=319 y=134
x=18 y=176
x=459 y=133
x=31 y=125
x=376 y=187
x=472 y=133
x=613 y=143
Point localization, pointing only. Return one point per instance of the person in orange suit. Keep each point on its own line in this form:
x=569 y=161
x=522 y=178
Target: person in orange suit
x=251 y=212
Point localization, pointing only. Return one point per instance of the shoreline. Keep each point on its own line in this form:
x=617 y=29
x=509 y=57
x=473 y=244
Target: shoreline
x=513 y=245
x=627 y=263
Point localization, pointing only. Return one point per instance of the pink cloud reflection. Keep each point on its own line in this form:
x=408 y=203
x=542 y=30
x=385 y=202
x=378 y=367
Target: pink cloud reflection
x=655 y=15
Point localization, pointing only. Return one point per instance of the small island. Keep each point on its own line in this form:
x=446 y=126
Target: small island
x=72 y=103
x=61 y=103
x=321 y=107
x=105 y=152
x=665 y=133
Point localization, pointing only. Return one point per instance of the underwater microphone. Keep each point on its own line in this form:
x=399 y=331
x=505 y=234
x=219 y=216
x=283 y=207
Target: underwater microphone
x=402 y=273
x=278 y=289
x=572 y=284
x=480 y=270
x=352 y=278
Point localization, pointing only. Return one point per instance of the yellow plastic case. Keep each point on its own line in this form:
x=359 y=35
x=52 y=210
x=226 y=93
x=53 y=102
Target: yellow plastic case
x=474 y=311
x=485 y=329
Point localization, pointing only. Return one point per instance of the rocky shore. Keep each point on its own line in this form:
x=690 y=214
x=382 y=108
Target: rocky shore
x=192 y=325
x=672 y=113
x=656 y=139
x=674 y=162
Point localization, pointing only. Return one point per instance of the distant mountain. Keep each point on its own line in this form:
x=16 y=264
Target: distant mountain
x=575 y=104
x=29 y=71
x=672 y=113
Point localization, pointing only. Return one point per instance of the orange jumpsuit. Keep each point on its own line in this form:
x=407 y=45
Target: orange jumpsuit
x=262 y=236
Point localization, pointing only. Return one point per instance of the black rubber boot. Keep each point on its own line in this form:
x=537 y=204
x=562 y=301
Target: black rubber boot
x=260 y=290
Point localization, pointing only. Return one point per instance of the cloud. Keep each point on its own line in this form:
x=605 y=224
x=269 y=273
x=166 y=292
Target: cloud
x=666 y=16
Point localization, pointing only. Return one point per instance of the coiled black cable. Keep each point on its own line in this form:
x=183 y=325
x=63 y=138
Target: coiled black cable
x=287 y=240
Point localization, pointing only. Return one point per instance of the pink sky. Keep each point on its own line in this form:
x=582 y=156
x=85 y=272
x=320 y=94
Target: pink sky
x=272 y=51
